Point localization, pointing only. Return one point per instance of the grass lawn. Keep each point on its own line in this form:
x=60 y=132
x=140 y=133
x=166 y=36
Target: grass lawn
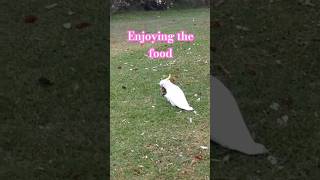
x=151 y=139
x=268 y=53
x=54 y=85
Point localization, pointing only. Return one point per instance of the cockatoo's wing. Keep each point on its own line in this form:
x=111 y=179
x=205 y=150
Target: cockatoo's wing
x=170 y=99
x=177 y=98
x=227 y=125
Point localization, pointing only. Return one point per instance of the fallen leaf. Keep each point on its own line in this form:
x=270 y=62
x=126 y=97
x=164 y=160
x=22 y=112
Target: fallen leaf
x=137 y=171
x=198 y=157
x=44 y=82
x=251 y=69
x=287 y=101
x=76 y=176
x=216 y=24
x=30 y=19
x=82 y=25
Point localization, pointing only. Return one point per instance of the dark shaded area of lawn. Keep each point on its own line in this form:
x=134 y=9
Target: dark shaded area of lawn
x=267 y=53
x=54 y=84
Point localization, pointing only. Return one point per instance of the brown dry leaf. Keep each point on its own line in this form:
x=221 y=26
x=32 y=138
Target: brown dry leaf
x=30 y=19
x=137 y=171
x=287 y=102
x=198 y=157
x=193 y=162
x=44 y=82
x=83 y=25
x=252 y=69
x=216 y=24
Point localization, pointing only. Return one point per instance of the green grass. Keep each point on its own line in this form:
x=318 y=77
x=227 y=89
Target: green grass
x=58 y=131
x=159 y=142
x=277 y=60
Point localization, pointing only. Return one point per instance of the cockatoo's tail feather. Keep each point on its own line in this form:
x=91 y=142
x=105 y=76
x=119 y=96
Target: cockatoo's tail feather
x=227 y=125
x=188 y=108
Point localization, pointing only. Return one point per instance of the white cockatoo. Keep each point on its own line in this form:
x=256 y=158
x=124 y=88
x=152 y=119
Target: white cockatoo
x=227 y=125
x=174 y=94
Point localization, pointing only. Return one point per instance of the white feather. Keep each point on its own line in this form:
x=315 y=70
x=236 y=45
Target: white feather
x=175 y=95
x=227 y=125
